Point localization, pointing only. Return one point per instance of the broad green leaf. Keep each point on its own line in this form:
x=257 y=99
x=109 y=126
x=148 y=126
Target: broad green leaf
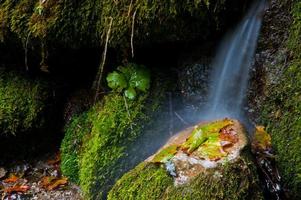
x=116 y=81
x=166 y=154
x=140 y=79
x=127 y=71
x=211 y=149
x=130 y=93
x=203 y=133
x=195 y=140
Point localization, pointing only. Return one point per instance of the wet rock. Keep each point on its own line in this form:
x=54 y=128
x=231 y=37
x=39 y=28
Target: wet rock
x=212 y=161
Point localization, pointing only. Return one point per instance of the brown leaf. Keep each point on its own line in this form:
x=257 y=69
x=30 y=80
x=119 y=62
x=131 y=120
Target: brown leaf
x=228 y=135
x=51 y=183
x=17 y=188
x=12 y=179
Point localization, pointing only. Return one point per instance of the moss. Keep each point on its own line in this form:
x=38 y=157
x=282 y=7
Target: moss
x=86 y=21
x=22 y=103
x=282 y=110
x=146 y=181
x=149 y=181
x=75 y=132
x=112 y=130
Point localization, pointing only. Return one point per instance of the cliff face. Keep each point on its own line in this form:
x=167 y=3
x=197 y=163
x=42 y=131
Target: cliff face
x=277 y=82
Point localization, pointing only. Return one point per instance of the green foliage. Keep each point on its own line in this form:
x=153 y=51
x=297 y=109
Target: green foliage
x=149 y=181
x=129 y=79
x=21 y=103
x=71 y=147
x=282 y=110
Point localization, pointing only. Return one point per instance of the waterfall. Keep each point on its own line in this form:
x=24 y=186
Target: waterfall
x=231 y=66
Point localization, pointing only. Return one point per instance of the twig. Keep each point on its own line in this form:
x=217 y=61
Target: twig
x=127 y=110
x=132 y=35
x=182 y=120
x=170 y=115
x=103 y=61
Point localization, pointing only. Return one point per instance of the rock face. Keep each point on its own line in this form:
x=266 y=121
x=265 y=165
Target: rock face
x=208 y=161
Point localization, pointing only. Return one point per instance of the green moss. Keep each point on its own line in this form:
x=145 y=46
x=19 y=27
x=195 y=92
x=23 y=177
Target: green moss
x=87 y=21
x=112 y=130
x=75 y=132
x=149 y=181
x=146 y=181
x=21 y=103
x=282 y=110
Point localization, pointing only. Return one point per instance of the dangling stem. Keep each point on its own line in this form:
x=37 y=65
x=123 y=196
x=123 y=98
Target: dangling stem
x=132 y=35
x=127 y=110
x=96 y=85
x=26 y=52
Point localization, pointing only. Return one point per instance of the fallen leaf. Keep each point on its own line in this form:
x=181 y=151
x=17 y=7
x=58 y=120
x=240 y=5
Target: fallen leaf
x=57 y=183
x=12 y=179
x=261 y=139
x=166 y=154
x=17 y=188
x=51 y=182
x=201 y=133
x=228 y=135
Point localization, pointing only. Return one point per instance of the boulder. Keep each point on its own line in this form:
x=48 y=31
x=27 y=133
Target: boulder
x=208 y=161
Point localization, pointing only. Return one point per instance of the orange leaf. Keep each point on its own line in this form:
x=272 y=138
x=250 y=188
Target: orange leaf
x=22 y=189
x=57 y=183
x=11 y=179
x=51 y=183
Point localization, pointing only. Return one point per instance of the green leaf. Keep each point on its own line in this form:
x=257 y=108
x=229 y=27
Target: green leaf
x=127 y=71
x=211 y=149
x=130 y=93
x=116 y=81
x=166 y=154
x=140 y=79
x=203 y=133
x=195 y=140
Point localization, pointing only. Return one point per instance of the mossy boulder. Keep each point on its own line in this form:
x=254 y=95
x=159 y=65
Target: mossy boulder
x=97 y=143
x=281 y=108
x=209 y=161
x=22 y=103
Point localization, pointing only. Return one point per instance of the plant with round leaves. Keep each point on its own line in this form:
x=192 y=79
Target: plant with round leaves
x=130 y=80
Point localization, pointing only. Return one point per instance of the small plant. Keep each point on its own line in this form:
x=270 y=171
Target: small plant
x=130 y=80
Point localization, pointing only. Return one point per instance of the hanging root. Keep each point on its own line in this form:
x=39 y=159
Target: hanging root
x=97 y=82
x=132 y=34
x=26 y=53
x=130 y=8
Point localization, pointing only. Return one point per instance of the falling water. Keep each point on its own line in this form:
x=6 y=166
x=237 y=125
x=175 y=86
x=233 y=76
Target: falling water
x=231 y=66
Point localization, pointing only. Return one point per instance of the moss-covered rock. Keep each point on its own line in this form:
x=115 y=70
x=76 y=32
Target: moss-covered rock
x=281 y=108
x=22 y=102
x=97 y=143
x=202 y=176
